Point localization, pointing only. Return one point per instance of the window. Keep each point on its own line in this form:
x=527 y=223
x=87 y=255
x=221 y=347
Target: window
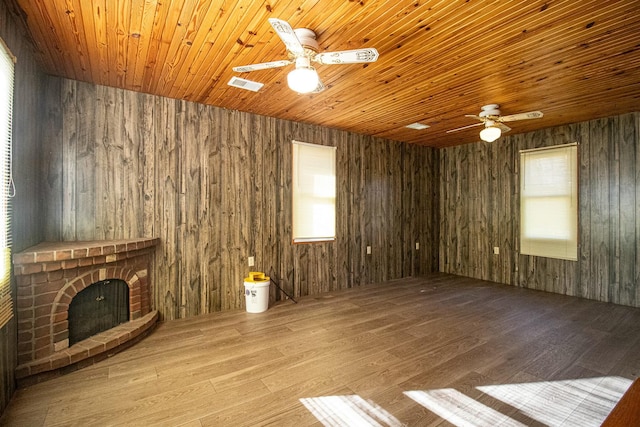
x=314 y=192
x=549 y=202
x=6 y=113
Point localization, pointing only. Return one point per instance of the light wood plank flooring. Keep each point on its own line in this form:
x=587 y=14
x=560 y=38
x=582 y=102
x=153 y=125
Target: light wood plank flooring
x=440 y=350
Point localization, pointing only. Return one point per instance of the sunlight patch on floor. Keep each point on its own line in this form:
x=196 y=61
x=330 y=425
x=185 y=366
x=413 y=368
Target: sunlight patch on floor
x=579 y=402
x=460 y=409
x=350 y=410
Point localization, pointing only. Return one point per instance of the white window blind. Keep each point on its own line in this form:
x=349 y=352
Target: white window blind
x=549 y=202
x=6 y=115
x=314 y=192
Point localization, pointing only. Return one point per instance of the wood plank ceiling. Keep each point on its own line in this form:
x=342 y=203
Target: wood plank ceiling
x=439 y=59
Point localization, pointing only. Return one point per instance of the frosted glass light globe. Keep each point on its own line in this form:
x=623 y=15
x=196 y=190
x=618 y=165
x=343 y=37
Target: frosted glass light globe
x=303 y=79
x=490 y=134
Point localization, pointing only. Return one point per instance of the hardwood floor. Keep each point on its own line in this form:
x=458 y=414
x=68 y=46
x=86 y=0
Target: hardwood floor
x=439 y=350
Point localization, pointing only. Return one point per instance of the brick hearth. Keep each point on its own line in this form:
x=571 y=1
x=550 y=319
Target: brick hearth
x=51 y=274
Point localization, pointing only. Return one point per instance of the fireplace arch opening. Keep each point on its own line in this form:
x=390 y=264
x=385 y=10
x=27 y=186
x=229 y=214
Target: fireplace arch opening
x=97 y=308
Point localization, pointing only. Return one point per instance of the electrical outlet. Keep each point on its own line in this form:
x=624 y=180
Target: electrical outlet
x=368 y=250
x=417 y=246
x=252 y=261
x=496 y=250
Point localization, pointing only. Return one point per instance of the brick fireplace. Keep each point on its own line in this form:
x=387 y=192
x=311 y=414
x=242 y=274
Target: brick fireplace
x=50 y=275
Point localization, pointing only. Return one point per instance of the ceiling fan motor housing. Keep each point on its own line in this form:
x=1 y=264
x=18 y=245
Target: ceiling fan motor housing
x=308 y=40
x=490 y=110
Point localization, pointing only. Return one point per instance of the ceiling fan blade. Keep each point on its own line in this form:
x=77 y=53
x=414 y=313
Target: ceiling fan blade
x=482 y=119
x=522 y=116
x=319 y=88
x=465 y=127
x=261 y=66
x=348 y=56
x=503 y=128
x=287 y=35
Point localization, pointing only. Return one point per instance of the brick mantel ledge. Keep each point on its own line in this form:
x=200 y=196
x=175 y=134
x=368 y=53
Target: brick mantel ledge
x=51 y=256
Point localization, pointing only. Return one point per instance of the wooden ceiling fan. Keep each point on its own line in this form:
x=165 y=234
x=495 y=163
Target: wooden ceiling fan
x=302 y=49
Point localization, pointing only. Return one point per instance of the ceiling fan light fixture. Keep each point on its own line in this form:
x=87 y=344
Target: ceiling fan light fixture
x=304 y=78
x=490 y=133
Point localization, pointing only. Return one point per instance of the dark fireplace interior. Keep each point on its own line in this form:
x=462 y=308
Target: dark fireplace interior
x=97 y=308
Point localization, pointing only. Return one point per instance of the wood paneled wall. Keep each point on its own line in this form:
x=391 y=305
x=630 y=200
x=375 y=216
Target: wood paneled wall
x=215 y=186
x=479 y=209
x=27 y=228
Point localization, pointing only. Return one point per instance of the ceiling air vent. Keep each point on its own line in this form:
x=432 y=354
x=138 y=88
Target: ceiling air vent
x=417 y=126
x=245 y=84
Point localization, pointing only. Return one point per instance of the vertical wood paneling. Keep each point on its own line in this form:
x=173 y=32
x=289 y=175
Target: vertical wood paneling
x=384 y=211
x=607 y=268
x=215 y=185
x=501 y=210
x=369 y=217
x=53 y=173
x=355 y=211
x=107 y=167
x=233 y=197
x=254 y=172
x=427 y=198
x=243 y=171
x=407 y=189
x=628 y=208
x=148 y=150
x=284 y=133
x=344 y=200
x=166 y=297
x=268 y=256
x=84 y=152
x=215 y=119
x=584 y=214
x=600 y=208
x=132 y=202
x=479 y=188
x=445 y=233
x=613 y=148
x=69 y=149
x=396 y=197
x=195 y=170
x=106 y=192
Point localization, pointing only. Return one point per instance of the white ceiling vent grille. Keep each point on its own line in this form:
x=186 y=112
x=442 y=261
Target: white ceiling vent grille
x=417 y=126
x=245 y=84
